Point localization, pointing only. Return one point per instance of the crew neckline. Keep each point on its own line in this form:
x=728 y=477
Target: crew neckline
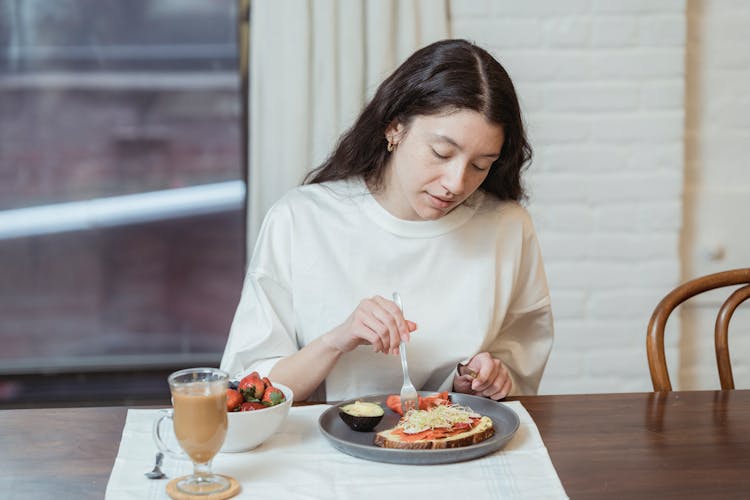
x=414 y=228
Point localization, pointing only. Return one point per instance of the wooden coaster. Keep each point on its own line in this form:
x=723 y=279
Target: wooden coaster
x=174 y=493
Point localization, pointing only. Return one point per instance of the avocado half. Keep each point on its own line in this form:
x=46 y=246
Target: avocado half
x=361 y=416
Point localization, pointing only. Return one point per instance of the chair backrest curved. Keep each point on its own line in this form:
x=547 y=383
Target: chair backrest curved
x=657 y=363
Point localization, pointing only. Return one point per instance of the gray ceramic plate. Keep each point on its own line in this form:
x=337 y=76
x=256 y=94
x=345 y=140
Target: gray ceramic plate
x=360 y=444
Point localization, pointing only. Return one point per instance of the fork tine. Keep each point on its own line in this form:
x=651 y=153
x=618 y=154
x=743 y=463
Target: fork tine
x=408 y=399
x=408 y=396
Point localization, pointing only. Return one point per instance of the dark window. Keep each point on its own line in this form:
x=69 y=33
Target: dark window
x=121 y=195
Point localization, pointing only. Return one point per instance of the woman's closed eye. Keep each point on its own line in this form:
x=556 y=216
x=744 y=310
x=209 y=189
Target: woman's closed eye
x=445 y=155
x=439 y=155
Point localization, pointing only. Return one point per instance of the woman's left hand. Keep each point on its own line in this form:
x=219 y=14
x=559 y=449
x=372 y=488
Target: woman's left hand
x=484 y=376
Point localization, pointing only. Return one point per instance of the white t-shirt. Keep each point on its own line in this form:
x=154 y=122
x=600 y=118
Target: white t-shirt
x=472 y=280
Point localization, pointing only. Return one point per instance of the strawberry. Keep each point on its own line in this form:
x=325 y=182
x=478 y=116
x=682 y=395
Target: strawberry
x=234 y=400
x=252 y=406
x=252 y=387
x=273 y=396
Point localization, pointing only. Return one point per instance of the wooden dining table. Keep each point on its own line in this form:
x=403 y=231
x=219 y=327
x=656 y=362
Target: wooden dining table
x=689 y=444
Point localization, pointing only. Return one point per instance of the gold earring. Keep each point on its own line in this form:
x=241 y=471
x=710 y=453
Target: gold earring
x=390 y=147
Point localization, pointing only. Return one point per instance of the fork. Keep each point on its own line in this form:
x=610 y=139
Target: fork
x=409 y=397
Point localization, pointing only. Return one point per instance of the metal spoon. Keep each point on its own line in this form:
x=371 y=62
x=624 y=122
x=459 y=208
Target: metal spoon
x=156 y=473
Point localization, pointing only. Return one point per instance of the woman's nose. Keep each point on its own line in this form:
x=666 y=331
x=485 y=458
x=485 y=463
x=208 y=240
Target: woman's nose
x=454 y=178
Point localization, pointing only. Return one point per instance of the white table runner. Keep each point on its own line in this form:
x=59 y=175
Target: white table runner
x=298 y=463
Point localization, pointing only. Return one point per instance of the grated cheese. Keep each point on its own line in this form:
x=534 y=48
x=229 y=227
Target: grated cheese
x=441 y=416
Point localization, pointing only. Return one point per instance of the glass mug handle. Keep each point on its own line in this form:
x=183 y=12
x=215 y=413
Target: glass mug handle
x=166 y=414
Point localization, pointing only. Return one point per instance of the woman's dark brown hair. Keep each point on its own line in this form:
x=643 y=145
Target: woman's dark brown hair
x=444 y=76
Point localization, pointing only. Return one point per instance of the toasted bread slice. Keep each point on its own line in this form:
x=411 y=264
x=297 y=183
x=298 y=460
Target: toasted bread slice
x=483 y=430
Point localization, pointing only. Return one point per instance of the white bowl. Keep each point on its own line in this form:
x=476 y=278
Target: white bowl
x=248 y=429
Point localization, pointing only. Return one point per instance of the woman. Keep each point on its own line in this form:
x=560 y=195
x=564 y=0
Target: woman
x=420 y=196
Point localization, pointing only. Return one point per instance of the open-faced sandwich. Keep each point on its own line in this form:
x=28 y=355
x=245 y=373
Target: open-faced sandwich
x=440 y=426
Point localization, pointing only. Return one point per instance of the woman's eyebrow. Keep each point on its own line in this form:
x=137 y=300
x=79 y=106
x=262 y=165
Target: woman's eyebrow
x=445 y=138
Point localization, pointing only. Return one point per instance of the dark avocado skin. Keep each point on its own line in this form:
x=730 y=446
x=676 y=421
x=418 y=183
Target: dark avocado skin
x=357 y=423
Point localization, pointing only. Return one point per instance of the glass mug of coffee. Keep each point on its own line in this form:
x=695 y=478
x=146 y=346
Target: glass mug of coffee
x=199 y=418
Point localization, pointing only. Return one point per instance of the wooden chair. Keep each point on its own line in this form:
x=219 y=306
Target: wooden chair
x=657 y=363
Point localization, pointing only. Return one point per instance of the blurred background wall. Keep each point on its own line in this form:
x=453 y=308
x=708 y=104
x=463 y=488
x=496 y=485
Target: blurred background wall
x=717 y=180
x=639 y=119
x=121 y=195
x=603 y=85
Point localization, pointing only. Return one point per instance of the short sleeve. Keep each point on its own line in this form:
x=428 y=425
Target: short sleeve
x=262 y=331
x=525 y=338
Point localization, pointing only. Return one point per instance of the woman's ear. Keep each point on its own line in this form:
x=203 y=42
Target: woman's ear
x=394 y=132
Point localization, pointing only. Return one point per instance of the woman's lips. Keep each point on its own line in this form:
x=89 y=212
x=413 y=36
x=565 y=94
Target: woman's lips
x=438 y=202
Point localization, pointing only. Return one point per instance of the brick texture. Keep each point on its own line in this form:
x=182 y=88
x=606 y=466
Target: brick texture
x=602 y=86
x=717 y=182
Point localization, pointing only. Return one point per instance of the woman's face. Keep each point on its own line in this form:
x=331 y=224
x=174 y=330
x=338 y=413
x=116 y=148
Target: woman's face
x=438 y=162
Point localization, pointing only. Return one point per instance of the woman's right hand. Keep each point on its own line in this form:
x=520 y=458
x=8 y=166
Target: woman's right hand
x=376 y=321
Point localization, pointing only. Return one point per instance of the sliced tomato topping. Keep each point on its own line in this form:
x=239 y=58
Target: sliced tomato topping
x=438 y=433
x=425 y=402
x=394 y=403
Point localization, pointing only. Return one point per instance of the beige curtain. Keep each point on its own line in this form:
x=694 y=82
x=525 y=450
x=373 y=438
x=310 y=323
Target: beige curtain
x=313 y=65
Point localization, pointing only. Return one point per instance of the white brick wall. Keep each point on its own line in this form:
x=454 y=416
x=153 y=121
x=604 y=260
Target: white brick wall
x=717 y=184
x=602 y=86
